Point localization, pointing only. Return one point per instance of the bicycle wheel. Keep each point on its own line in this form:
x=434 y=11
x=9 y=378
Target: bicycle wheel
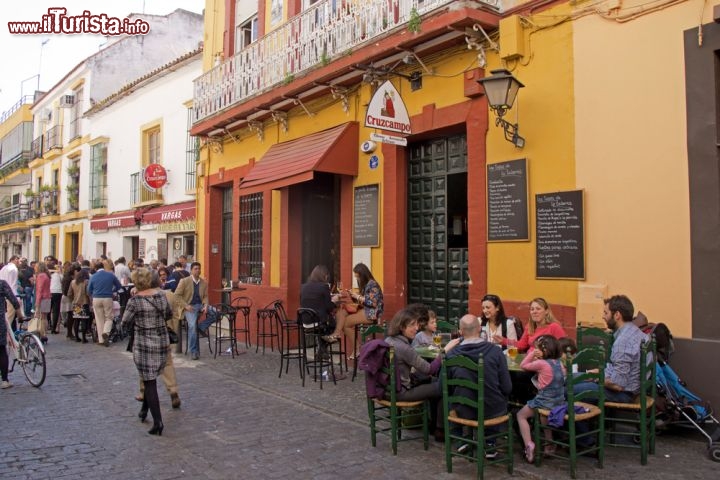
x=34 y=364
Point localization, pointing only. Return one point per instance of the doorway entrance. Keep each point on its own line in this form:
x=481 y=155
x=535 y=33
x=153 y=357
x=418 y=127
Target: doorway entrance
x=321 y=224
x=437 y=226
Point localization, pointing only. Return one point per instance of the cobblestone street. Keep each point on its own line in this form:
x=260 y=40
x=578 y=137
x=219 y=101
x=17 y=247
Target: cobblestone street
x=238 y=420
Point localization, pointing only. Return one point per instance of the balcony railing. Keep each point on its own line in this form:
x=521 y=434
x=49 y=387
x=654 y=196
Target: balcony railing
x=53 y=138
x=13 y=214
x=139 y=194
x=36 y=147
x=24 y=100
x=326 y=30
x=18 y=163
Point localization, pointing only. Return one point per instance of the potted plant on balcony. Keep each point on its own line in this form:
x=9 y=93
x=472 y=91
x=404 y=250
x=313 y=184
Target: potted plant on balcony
x=29 y=194
x=72 y=191
x=73 y=170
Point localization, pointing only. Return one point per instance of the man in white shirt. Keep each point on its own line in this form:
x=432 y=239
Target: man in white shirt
x=9 y=273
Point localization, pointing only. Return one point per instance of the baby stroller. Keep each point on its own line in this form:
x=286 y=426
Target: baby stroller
x=684 y=408
x=116 y=333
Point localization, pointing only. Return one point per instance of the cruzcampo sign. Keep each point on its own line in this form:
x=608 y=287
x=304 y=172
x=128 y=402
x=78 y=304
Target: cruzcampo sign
x=387 y=111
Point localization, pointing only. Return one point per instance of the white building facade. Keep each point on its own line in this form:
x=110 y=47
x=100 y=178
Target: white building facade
x=69 y=181
x=143 y=125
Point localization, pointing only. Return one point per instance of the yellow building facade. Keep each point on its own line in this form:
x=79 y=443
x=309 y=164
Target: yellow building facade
x=604 y=112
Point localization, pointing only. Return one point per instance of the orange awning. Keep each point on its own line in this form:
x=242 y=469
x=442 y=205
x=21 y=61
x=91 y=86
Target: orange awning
x=332 y=151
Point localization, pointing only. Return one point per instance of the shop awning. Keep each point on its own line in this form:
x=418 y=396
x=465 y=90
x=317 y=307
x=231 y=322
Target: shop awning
x=332 y=151
x=176 y=212
x=123 y=219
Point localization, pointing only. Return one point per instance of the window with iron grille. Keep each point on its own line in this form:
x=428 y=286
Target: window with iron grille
x=192 y=155
x=153 y=146
x=98 y=176
x=76 y=114
x=251 y=221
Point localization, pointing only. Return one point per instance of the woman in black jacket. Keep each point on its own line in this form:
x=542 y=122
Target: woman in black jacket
x=315 y=294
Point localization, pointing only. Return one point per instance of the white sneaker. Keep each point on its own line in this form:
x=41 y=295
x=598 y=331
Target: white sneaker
x=5 y=384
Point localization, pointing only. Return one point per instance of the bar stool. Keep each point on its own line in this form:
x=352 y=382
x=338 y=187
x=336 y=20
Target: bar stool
x=322 y=352
x=229 y=314
x=243 y=306
x=288 y=328
x=184 y=326
x=266 y=326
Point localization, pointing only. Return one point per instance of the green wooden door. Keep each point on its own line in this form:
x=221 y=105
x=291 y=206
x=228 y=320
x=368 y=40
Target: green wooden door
x=437 y=227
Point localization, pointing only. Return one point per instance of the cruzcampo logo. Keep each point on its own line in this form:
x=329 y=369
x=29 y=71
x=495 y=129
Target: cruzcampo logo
x=387 y=110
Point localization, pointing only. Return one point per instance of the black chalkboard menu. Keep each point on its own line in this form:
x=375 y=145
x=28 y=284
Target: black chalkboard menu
x=507 y=195
x=366 y=217
x=560 y=235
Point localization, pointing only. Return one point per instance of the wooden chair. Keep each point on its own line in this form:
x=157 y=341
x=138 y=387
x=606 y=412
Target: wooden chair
x=642 y=424
x=589 y=336
x=363 y=334
x=446 y=327
x=567 y=437
x=394 y=415
x=477 y=426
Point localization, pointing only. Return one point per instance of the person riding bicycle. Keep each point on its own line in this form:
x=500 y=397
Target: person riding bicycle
x=6 y=293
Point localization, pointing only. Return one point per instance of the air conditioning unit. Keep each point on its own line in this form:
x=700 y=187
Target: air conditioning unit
x=67 y=101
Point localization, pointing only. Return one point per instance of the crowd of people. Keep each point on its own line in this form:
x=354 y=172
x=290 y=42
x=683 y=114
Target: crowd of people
x=151 y=299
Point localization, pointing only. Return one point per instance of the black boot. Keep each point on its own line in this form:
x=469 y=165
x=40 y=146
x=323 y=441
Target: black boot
x=143 y=411
x=151 y=397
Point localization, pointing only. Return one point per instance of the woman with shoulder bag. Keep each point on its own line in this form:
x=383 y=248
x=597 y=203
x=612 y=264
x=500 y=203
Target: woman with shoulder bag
x=148 y=310
x=42 y=298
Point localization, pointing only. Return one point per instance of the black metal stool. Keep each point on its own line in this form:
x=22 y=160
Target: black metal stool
x=243 y=306
x=266 y=326
x=288 y=329
x=228 y=313
x=322 y=352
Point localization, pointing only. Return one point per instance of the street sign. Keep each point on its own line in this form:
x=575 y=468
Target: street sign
x=379 y=137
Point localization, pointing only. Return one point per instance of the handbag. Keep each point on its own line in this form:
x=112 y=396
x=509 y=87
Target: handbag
x=45 y=305
x=350 y=307
x=37 y=324
x=172 y=336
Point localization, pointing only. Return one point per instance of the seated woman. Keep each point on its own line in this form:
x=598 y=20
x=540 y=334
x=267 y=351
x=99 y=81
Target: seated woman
x=315 y=294
x=497 y=326
x=371 y=302
x=427 y=326
x=542 y=322
x=401 y=332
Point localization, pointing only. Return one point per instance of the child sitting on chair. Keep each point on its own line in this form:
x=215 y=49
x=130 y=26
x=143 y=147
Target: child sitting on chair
x=545 y=359
x=426 y=330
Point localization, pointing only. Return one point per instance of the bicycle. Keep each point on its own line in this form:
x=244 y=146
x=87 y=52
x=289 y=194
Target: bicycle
x=30 y=354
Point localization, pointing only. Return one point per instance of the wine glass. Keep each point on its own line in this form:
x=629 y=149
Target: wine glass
x=224 y=282
x=437 y=340
x=339 y=285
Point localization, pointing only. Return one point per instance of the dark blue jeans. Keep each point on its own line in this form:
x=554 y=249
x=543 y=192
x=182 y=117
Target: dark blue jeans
x=29 y=300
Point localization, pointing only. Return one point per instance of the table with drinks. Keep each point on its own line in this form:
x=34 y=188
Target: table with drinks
x=429 y=352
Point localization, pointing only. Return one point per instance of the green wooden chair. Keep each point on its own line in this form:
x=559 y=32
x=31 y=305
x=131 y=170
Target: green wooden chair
x=590 y=335
x=641 y=431
x=502 y=439
x=363 y=332
x=567 y=436
x=446 y=327
x=390 y=416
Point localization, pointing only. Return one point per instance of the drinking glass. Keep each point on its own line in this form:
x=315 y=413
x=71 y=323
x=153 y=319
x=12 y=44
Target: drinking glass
x=224 y=282
x=339 y=286
x=512 y=350
x=437 y=340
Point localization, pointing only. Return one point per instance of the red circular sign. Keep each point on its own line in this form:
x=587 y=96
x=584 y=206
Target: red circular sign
x=154 y=176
